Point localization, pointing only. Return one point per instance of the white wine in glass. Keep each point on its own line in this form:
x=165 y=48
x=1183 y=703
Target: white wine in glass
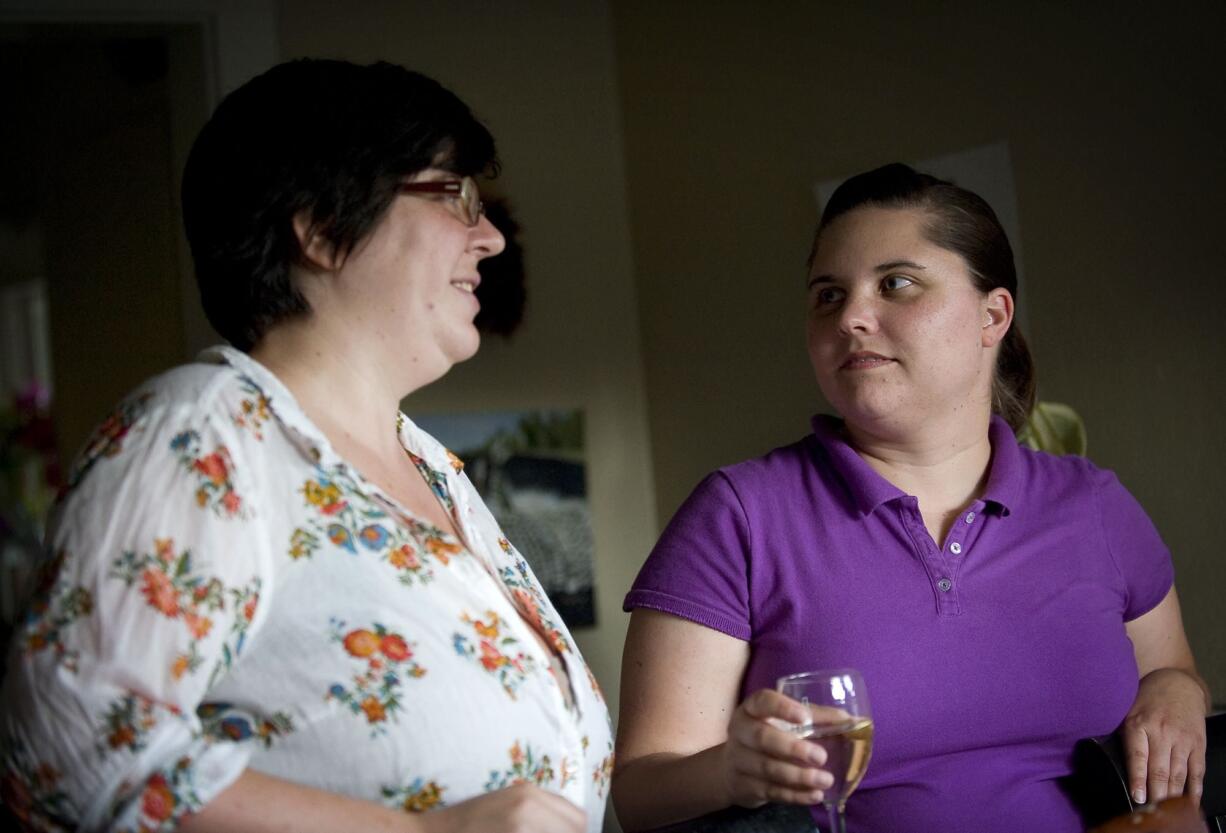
x=841 y=721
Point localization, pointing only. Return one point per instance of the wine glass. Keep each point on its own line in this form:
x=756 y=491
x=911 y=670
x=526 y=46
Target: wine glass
x=841 y=722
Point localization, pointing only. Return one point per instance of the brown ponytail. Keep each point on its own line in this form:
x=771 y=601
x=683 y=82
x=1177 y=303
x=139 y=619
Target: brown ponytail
x=1013 y=385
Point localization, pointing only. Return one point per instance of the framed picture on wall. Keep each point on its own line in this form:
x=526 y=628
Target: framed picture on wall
x=530 y=469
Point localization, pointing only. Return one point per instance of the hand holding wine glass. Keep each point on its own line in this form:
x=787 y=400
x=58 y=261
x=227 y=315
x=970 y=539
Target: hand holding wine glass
x=837 y=720
x=762 y=760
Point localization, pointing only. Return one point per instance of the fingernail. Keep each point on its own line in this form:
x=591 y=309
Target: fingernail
x=1138 y=796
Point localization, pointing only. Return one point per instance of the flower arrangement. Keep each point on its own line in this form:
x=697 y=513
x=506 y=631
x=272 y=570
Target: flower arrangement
x=30 y=478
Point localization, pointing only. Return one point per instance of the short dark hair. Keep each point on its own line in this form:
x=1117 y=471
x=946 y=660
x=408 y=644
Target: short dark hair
x=962 y=222
x=331 y=138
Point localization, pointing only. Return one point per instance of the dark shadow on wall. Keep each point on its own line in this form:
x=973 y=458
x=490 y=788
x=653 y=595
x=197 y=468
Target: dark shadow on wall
x=92 y=257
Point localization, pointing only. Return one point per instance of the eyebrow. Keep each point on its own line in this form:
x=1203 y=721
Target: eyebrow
x=899 y=264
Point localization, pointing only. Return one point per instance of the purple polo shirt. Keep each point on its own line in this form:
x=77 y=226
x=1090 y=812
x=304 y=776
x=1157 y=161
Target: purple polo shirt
x=986 y=659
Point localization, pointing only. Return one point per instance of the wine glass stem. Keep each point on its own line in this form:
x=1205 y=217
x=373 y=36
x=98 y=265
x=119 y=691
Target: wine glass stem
x=838 y=823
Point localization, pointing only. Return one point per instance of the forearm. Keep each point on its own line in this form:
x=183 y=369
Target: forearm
x=664 y=788
x=258 y=803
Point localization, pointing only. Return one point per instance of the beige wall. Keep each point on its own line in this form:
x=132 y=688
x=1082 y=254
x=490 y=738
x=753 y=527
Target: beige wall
x=541 y=75
x=1114 y=117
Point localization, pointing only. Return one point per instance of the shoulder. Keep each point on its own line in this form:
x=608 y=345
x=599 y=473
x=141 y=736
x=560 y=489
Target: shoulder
x=785 y=463
x=200 y=389
x=1049 y=486
x=1062 y=472
x=756 y=488
x=191 y=401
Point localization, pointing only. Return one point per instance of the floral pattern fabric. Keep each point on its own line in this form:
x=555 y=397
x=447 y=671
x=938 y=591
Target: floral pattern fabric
x=226 y=592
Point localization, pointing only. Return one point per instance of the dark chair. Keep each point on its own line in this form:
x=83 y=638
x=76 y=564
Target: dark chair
x=769 y=818
x=1099 y=784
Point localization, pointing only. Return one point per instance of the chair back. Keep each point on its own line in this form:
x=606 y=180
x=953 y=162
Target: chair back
x=1099 y=784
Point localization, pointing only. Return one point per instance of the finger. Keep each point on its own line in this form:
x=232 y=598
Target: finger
x=1178 y=771
x=1196 y=776
x=784 y=795
x=1136 y=757
x=765 y=703
x=762 y=738
x=783 y=774
x=570 y=816
x=827 y=715
x=1159 y=776
x=541 y=811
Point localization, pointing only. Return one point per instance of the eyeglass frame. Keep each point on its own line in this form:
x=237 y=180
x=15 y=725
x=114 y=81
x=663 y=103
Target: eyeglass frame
x=464 y=189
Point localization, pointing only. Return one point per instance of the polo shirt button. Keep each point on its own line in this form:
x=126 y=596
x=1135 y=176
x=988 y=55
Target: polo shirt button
x=955 y=548
x=945 y=584
x=970 y=517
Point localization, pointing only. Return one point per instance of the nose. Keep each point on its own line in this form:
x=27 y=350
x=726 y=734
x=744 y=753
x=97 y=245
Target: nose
x=859 y=315
x=486 y=239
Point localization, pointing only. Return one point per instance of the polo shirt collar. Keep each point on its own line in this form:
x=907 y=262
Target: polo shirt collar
x=1005 y=473
x=868 y=489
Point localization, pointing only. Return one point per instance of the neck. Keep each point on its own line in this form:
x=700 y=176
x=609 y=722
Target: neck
x=349 y=390
x=943 y=463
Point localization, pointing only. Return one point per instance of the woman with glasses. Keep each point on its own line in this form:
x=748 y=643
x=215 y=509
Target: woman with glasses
x=271 y=601
x=1000 y=603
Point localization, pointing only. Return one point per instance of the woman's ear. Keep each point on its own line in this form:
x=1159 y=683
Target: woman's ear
x=317 y=250
x=997 y=316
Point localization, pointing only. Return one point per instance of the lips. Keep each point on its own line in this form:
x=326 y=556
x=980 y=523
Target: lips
x=864 y=360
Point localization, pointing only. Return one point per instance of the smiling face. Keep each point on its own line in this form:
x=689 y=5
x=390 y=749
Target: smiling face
x=410 y=284
x=898 y=336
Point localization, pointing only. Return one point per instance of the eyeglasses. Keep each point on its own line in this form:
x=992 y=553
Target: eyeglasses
x=464 y=190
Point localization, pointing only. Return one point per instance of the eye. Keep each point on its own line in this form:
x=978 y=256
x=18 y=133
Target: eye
x=892 y=283
x=824 y=295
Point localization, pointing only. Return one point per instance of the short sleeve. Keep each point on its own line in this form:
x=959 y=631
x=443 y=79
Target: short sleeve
x=153 y=586
x=1140 y=555
x=699 y=568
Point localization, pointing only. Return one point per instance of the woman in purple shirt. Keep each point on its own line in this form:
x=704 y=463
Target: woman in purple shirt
x=1001 y=603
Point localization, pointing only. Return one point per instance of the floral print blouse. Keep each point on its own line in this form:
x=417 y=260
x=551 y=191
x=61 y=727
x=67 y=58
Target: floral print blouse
x=223 y=591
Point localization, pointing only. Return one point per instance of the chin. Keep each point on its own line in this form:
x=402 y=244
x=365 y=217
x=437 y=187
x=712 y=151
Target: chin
x=874 y=415
x=864 y=404
x=465 y=350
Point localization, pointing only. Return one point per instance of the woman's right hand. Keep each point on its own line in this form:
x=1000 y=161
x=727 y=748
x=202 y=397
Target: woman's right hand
x=762 y=762
x=523 y=808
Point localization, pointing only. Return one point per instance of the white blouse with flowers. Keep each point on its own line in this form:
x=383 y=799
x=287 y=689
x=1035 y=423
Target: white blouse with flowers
x=225 y=592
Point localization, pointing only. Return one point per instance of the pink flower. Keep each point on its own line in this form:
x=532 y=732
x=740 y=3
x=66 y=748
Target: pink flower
x=160 y=593
x=198 y=625
x=490 y=657
x=213 y=467
x=395 y=648
x=158 y=802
